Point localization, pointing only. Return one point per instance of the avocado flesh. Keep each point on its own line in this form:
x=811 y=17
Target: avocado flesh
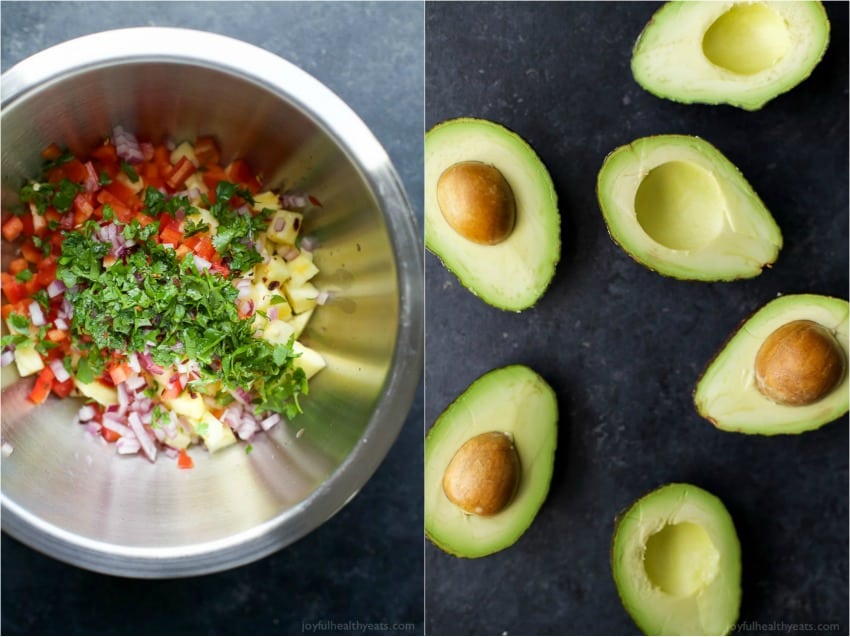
x=727 y=394
x=514 y=400
x=513 y=274
x=678 y=206
x=676 y=561
x=738 y=53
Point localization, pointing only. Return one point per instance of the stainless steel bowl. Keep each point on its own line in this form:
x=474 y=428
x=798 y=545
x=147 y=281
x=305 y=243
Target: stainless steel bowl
x=70 y=497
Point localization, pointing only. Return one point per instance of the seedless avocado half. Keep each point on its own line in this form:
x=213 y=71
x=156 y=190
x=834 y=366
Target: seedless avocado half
x=513 y=274
x=675 y=204
x=738 y=53
x=727 y=395
x=676 y=561
x=513 y=400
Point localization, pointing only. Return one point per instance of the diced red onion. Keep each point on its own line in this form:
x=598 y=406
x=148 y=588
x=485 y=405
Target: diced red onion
x=36 y=314
x=272 y=313
x=247 y=428
x=114 y=422
x=146 y=361
x=7 y=357
x=59 y=371
x=127 y=146
x=241 y=395
x=66 y=310
x=135 y=381
x=133 y=362
x=171 y=452
x=148 y=445
x=147 y=150
x=293 y=200
x=201 y=263
x=60 y=324
x=86 y=413
x=322 y=297
x=127 y=445
x=279 y=224
x=93 y=427
x=309 y=243
x=123 y=396
x=270 y=421
x=291 y=253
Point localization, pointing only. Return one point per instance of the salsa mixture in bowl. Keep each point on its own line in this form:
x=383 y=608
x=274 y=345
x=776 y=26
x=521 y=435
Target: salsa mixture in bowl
x=163 y=259
x=164 y=288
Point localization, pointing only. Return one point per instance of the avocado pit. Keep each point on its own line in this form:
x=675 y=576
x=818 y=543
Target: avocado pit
x=799 y=364
x=483 y=475
x=476 y=200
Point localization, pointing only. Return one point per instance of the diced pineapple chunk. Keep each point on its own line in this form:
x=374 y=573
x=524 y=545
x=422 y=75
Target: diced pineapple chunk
x=215 y=434
x=284 y=226
x=98 y=392
x=301 y=297
x=299 y=322
x=27 y=360
x=187 y=405
x=302 y=269
x=136 y=186
x=181 y=438
x=196 y=181
x=275 y=270
x=310 y=360
x=260 y=294
x=278 y=332
x=265 y=200
x=185 y=149
x=204 y=216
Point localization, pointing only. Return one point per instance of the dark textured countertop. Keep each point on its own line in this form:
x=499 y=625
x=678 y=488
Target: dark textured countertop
x=623 y=346
x=362 y=570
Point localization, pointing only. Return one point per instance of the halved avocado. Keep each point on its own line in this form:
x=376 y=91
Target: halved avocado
x=677 y=205
x=728 y=392
x=511 y=402
x=676 y=561
x=515 y=266
x=738 y=53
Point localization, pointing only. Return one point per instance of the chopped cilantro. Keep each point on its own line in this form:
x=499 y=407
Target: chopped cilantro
x=23 y=275
x=128 y=170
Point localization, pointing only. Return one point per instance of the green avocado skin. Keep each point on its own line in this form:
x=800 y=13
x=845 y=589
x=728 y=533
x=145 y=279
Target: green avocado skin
x=715 y=610
x=514 y=400
x=673 y=67
x=514 y=274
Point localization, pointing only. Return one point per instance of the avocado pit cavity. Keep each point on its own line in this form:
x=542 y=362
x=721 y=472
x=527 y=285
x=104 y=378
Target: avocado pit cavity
x=799 y=364
x=680 y=205
x=747 y=39
x=681 y=559
x=477 y=202
x=483 y=475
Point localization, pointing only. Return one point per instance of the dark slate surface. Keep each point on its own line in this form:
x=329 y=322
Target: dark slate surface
x=623 y=346
x=363 y=569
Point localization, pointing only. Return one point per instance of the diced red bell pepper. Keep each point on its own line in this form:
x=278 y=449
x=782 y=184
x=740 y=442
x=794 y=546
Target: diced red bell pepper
x=125 y=194
x=51 y=152
x=239 y=171
x=63 y=389
x=184 y=460
x=14 y=290
x=105 y=153
x=42 y=387
x=119 y=373
x=178 y=175
x=204 y=248
x=122 y=212
x=109 y=435
x=12 y=228
x=206 y=150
